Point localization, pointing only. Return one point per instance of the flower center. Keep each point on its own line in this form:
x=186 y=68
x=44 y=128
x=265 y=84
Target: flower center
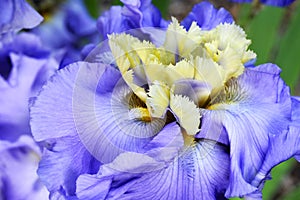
x=182 y=75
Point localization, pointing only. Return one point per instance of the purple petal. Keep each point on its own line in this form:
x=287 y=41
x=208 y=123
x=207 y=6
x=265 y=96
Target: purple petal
x=296 y=111
x=277 y=153
x=78 y=16
x=18 y=165
x=256 y=107
x=93 y=103
x=25 y=79
x=62 y=162
x=58 y=89
x=197 y=91
x=206 y=16
x=142 y=14
x=16 y=15
x=68 y=30
x=280 y=3
x=139 y=18
x=203 y=167
x=111 y=21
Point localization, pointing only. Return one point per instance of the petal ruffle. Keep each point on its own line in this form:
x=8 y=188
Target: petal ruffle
x=63 y=160
x=206 y=16
x=203 y=167
x=281 y=148
x=95 y=104
x=255 y=107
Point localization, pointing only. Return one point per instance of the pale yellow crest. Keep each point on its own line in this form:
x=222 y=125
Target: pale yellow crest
x=158 y=99
x=139 y=91
x=186 y=112
x=210 y=72
x=122 y=50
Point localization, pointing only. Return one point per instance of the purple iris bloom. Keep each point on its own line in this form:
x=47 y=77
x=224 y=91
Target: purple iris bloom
x=206 y=16
x=99 y=143
x=280 y=3
x=25 y=67
x=133 y=15
x=16 y=15
x=18 y=165
x=68 y=30
x=263 y=121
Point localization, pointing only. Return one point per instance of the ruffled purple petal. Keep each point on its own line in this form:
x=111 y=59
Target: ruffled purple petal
x=111 y=21
x=91 y=100
x=139 y=18
x=281 y=148
x=18 y=165
x=142 y=14
x=63 y=160
x=296 y=111
x=55 y=98
x=200 y=172
x=259 y=108
x=16 y=15
x=206 y=16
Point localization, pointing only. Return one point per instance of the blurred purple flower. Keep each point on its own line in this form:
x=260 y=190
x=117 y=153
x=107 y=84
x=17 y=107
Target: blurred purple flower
x=16 y=15
x=18 y=165
x=68 y=30
x=134 y=14
x=25 y=67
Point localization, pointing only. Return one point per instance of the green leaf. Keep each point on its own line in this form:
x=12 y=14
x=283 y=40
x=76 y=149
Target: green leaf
x=278 y=173
x=262 y=30
x=93 y=6
x=289 y=52
x=162 y=6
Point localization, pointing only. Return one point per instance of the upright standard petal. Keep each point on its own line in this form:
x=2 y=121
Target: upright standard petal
x=206 y=16
x=140 y=18
x=250 y=118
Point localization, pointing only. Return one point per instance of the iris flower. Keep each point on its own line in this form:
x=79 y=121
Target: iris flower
x=184 y=120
